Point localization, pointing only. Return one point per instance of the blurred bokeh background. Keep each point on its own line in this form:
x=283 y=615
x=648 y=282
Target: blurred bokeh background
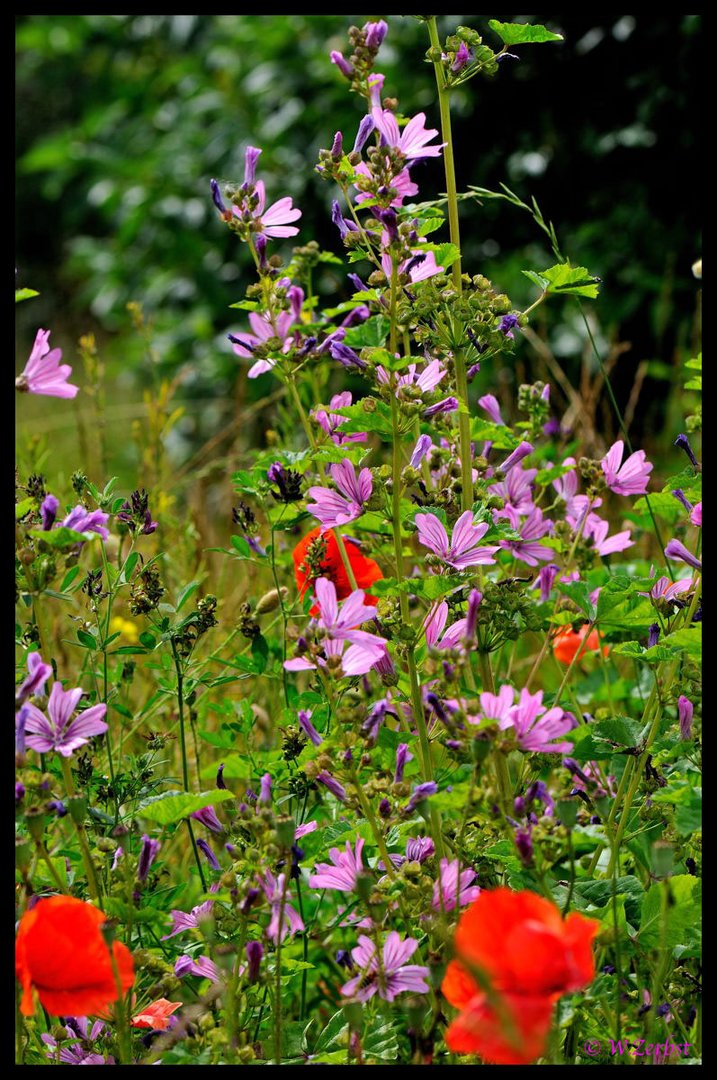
x=123 y=119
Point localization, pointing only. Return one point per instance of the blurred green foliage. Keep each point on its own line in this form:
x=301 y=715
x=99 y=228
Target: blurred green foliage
x=123 y=119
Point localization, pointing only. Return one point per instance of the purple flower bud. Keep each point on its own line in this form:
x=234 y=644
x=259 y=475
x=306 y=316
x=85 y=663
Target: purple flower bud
x=231 y=849
x=251 y=156
x=384 y=808
x=474 y=602
x=48 y=511
x=342 y=64
x=209 y=854
x=402 y=756
x=663 y=1010
x=56 y=806
x=420 y=793
x=448 y=405
x=343 y=959
x=375 y=33
x=217 y=197
x=240 y=341
x=519 y=805
x=575 y=769
x=546 y=577
x=308 y=728
x=220 y=778
x=654 y=635
x=389 y=220
x=366 y=126
x=260 y=243
x=19 y=791
x=337 y=148
x=507 y=324
x=524 y=844
x=265 y=788
x=681 y=497
x=423 y=445
x=347 y=356
x=208 y=816
x=357 y=283
x=684 y=444
x=358 y=315
x=251 y=898
x=20 y=721
x=677 y=550
x=275 y=473
x=463 y=57
x=333 y=785
x=685 y=710
x=254 y=954
x=338 y=219
x=419 y=848
x=147 y=856
x=518 y=454
x=472 y=372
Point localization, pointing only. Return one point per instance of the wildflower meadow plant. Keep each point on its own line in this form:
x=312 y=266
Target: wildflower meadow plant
x=405 y=766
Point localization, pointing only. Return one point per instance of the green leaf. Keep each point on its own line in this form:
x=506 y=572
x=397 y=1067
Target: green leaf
x=23 y=508
x=373 y=332
x=579 y=593
x=677 y=923
x=369 y=414
x=25 y=294
x=447 y=254
x=186 y=592
x=621 y=606
x=172 y=806
x=603 y=739
x=62 y=537
x=565 y=280
x=522 y=33
x=88 y=641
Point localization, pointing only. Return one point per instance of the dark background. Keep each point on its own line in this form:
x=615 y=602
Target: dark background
x=123 y=119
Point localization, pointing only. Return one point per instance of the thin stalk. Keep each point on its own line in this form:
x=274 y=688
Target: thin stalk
x=92 y=882
x=464 y=428
x=183 y=749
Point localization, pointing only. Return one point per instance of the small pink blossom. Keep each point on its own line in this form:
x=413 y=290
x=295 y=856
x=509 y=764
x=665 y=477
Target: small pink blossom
x=412 y=140
x=44 y=374
x=631 y=478
x=390 y=978
x=463 y=549
x=332 y=509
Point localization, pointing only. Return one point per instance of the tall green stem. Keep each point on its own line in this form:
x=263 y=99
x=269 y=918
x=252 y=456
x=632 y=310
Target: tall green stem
x=464 y=427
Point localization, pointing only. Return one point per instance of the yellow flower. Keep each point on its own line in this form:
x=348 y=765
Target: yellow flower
x=126 y=628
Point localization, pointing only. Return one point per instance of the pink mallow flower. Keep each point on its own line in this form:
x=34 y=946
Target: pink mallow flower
x=339 y=627
x=343 y=875
x=696 y=514
x=402 y=184
x=331 y=422
x=332 y=509
x=266 y=327
x=276 y=890
x=595 y=529
x=390 y=978
x=567 y=488
x=57 y=731
x=434 y=623
x=425 y=381
x=535 y=726
x=535 y=525
x=463 y=549
x=630 y=478
x=516 y=489
x=412 y=140
x=454 y=888
x=44 y=374
x=38 y=674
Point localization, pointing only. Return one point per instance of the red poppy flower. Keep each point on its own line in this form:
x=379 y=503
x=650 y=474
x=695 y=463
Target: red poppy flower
x=541 y=956
x=156 y=1015
x=61 y=952
x=567 y=642
x=366 y=571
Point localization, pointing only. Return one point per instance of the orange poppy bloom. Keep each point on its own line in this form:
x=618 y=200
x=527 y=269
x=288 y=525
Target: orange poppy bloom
x=156 y=1015
x=61 y=952
x=366 y=571
x=567 y=642
x=540 y=956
